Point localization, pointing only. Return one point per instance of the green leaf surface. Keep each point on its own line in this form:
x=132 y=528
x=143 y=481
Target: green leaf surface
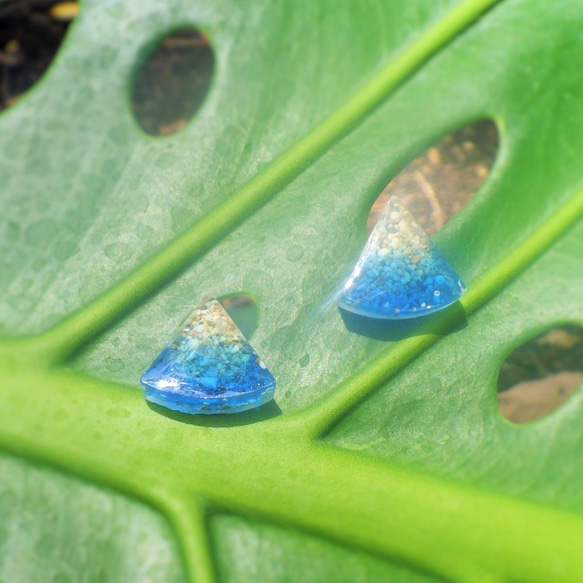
x=390 y=460
x=55 y=528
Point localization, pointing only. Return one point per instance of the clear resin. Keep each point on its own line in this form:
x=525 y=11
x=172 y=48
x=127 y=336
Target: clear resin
x=209 y=367
x=400 y=273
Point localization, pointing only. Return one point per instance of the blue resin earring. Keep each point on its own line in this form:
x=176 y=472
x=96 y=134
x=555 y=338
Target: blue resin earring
x=400 y=273
x=208 y=367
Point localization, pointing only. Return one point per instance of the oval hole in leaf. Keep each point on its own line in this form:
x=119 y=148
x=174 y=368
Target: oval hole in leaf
x=173 y=83
x=30 y=36
x=539 y=376
x=243 y=310
x=436 y=185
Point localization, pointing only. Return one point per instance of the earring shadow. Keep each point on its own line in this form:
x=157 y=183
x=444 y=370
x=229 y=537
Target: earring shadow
x=267 y=411
x=450 y=319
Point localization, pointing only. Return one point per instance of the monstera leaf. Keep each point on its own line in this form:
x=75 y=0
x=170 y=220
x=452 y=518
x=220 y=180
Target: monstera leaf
x=390 y=460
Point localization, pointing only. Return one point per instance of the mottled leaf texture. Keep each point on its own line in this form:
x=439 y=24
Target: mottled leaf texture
x=386 y=458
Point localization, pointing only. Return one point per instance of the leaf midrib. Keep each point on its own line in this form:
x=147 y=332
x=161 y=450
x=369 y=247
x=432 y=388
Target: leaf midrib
x=277 y=474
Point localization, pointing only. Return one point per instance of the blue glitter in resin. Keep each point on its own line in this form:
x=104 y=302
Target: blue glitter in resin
x=208 y=368
x=400 y=273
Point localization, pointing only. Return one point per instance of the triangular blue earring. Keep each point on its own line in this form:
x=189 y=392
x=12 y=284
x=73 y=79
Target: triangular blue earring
x=400 y=273
x=208 y=367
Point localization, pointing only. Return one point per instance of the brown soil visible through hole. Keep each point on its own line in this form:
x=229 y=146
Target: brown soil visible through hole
x=539 y=376
x=31 y=32
x=436 y=185
x=173 y=83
